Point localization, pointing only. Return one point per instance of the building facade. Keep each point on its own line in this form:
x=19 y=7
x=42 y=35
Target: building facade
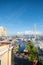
x=3 y=31
x=5 y=53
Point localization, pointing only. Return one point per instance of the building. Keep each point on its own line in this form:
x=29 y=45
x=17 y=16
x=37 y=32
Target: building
x=5 y=53
x=3 y=31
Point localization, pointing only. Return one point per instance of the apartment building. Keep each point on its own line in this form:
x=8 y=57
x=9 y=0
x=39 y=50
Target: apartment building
x=3 y=31
x=5 y=53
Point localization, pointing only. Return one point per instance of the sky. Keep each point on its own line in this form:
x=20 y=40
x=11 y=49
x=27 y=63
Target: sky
x=21 y=15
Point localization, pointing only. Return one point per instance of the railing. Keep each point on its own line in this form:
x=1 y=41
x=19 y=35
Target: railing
x=5 y=50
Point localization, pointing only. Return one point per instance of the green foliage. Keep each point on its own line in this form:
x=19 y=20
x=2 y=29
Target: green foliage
x=41 y=63
x=33 y=55
x=31 y=47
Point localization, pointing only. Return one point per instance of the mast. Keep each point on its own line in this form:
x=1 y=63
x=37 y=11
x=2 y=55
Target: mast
x=35 y=31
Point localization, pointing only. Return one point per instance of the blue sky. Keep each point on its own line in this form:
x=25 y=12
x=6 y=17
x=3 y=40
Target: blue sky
x=21 y=15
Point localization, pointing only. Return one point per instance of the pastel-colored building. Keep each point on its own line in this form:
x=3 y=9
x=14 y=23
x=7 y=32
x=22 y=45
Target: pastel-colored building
x=3 y=31
x=5 y=53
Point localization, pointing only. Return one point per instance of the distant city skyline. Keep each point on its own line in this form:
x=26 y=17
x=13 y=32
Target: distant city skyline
x=30 y=33
x=21 y=15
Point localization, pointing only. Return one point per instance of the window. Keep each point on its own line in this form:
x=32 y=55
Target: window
x=0 y=62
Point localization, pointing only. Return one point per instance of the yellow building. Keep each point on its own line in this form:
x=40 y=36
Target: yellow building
x=5 y=53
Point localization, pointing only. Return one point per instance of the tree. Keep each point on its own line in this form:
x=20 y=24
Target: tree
x=32 y=50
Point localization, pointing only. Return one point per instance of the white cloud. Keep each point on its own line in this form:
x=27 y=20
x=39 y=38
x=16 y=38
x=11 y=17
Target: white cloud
x=28 y=33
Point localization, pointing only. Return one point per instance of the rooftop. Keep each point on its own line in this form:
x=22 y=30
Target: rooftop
x=4 y=43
